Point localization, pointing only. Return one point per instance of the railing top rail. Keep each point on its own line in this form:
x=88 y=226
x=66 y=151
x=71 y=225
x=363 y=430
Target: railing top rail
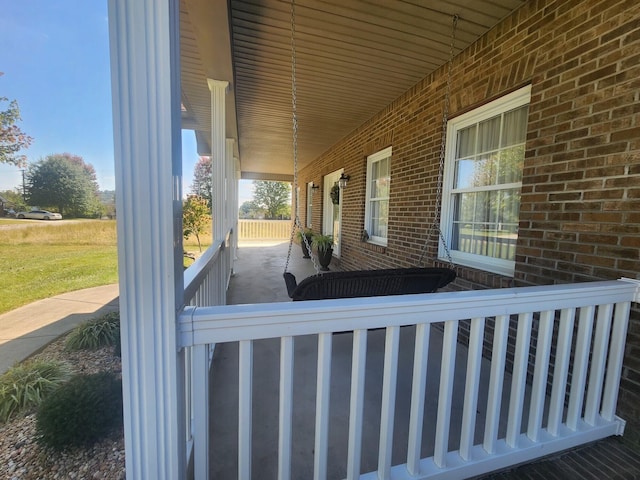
x=200 y=325
x=195 y=274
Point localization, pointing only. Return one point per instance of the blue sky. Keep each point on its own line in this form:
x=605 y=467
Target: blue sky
x=55 y=59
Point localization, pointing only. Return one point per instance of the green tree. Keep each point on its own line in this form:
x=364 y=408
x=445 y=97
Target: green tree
x=12 y=139
x=249 y=209
x=274 y=198
x=195 y=217
x=202 y=180
x=66 y=183
x=15 y=199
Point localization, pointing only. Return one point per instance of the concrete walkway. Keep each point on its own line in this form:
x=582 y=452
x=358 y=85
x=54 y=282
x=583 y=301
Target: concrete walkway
x=26 y=330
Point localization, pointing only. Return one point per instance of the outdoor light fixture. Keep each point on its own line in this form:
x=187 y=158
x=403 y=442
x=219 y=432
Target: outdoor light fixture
x=314 y=188
x=342 y=181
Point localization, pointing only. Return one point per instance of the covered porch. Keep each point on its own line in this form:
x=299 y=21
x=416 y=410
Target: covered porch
x=445 y=385
x=420 y=392
x=602 y=459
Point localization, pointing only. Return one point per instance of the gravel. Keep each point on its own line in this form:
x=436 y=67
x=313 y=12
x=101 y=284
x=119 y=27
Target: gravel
x=21 y=458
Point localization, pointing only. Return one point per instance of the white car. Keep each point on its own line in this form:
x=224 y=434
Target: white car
x=39 y=215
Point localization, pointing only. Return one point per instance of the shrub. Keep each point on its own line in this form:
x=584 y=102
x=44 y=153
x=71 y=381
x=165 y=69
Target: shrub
x=100 y=332
x=26 y=385
x=82 y=411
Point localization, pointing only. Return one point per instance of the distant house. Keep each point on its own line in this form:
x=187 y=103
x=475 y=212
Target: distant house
x=5 y=205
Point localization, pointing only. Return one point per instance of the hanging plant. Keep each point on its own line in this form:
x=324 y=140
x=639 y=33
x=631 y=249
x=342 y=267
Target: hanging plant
x=335 y=194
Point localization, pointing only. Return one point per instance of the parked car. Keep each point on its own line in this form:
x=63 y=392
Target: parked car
x=39 y=215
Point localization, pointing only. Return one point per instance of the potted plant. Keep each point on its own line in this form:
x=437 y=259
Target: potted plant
x=301 y=235
x=324 y=248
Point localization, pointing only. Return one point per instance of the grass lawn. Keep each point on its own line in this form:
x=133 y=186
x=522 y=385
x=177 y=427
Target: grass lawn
x=40 y=261
x=13 y=221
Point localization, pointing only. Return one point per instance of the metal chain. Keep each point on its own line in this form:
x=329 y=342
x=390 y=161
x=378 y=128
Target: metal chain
x=294 y=107
x=435 y=226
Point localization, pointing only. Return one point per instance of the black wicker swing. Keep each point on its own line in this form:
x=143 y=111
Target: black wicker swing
x=366 y=283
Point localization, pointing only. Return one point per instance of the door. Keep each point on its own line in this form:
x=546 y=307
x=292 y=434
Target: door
x=332 y=212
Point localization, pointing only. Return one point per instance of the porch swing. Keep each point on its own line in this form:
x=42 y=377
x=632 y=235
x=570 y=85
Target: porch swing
x=369 y=283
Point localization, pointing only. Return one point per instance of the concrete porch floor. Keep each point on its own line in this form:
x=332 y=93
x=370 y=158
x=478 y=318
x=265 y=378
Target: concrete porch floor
x=258 y=279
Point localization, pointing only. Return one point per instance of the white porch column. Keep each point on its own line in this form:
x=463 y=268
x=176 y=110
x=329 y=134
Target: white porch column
x=231 y=199
x=236 y=163
x=218 y=156
x=229 y=182
x=218 y=90
x=145 y=70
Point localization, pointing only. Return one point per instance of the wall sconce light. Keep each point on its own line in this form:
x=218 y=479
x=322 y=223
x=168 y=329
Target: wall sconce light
x=314 y=188
x=343 y=180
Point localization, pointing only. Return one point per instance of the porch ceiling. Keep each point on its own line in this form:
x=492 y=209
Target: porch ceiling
x=354 y=57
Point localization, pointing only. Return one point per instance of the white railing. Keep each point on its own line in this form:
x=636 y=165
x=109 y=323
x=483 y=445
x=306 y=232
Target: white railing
x=264 y=229
x=582 y=326
x=205 y=284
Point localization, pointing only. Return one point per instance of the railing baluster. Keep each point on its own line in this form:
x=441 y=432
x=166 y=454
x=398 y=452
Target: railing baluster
x=286 y=404
x=418 y=392
x=616 y=355
x=200 y=369
x=389 y=382
x=447 y=369
x=496 y=380
x=580 y=364
x=598 y=359
x=540 y=373
x=519 y=378
x=322 y=406
x=358 y=366
x=245 y=368
x=472 y=383
x=560 y=370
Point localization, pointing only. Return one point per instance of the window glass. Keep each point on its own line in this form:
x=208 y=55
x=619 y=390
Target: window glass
x=377 y=196
x=483 y=175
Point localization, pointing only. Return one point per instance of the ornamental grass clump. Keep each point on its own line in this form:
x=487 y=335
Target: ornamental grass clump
x=26 y=385
x=81 y=412
x=94 y=334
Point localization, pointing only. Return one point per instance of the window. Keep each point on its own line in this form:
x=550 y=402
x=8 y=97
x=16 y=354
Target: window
x=482 y=183
x=376 y=215
x=309 y=204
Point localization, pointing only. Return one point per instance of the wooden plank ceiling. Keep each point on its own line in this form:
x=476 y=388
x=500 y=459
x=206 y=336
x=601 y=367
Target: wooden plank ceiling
x=353 y=58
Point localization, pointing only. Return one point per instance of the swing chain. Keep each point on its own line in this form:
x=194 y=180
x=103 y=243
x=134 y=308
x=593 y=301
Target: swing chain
x=296 y=224
x=435 y=226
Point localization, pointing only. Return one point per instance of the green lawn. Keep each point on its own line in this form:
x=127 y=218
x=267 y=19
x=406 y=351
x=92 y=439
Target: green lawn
x=40 y=261
x=13 y=221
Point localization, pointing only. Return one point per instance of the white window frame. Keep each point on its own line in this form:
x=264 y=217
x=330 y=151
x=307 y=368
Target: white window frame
x=504 y=104
x=310 y=193
x=371 y=160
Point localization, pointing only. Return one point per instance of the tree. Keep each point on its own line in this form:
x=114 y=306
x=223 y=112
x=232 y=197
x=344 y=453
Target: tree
x=202 y=181
x=249 y=209
x=14 y=199
x=273 y=197
x=66 y=183
x=108 y=201
x=12 y=139
x=195 y=217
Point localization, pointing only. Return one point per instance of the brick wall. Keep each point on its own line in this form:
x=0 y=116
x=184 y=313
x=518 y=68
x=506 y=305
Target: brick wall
x=580 y=209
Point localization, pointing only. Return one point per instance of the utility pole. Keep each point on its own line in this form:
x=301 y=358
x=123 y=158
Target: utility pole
x=24 y=193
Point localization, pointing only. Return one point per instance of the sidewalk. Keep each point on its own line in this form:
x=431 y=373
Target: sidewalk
x=28 y=329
